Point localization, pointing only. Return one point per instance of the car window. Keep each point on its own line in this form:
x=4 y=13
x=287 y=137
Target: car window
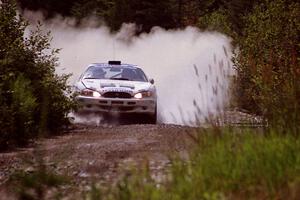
x=118 y=73
x=94 y=73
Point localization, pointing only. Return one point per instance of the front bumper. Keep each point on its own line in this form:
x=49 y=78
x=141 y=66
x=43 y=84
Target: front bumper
x=116 y=105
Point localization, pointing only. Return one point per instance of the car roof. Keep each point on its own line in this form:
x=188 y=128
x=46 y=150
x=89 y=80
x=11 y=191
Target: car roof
x=110 y=65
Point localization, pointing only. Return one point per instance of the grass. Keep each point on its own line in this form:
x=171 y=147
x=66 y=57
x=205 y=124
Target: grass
x=231 y=165
x=243 y=165
x=37 y=183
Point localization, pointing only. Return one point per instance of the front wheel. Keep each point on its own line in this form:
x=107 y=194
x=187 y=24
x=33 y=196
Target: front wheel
x=153 y=117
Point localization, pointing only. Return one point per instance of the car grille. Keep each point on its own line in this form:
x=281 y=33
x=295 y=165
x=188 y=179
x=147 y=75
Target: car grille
x=122 y=108
x=124 y=95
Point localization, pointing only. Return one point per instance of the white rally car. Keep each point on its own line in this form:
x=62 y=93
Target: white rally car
x=116 y=88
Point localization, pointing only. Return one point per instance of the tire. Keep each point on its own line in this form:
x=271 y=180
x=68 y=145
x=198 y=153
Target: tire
x=153 y=118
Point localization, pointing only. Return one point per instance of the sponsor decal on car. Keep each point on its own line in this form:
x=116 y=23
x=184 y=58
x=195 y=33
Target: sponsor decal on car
x=117 y=90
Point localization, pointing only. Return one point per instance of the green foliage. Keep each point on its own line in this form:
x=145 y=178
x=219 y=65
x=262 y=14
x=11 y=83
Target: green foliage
x=266 y=35
x=236 y=10
x=33 y=98
x=145 y=14
x=6 y=119
x=49 y=7
x=137 y=184
x=36 y=183
x=268 y=63
x=114 y=13
x=216 y=21
x=247 y=164
x=99 y=8
x=229 y=17
x=23 y=105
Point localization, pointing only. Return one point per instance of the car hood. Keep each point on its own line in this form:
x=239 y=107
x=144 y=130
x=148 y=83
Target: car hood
x=104 y=85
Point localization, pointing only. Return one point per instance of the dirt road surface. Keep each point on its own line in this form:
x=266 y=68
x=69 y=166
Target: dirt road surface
x=101 y=153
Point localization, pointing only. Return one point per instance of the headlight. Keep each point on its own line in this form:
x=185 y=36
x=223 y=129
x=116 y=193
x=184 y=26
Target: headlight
x=138 y=96
x=143 y=94
x=96 y=94
x=90 y=93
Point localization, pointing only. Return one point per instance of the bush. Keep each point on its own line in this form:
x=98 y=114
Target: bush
x=216 y=21
x=266 y=39
x=268 y=63
x=23 y=105
x=33 y=98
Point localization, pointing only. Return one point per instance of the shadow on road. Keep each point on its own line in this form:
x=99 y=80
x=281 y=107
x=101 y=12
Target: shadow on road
x=110 y=119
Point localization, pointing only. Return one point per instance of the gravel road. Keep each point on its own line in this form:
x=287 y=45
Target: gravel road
x=90 y=153
x=101 y=153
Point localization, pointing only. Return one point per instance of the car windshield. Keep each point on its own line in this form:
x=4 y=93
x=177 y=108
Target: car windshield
x=115 y=73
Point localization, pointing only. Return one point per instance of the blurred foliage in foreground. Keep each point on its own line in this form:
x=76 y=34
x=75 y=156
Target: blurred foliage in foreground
x=226 y=164
x=33 y=99
x=38 y=184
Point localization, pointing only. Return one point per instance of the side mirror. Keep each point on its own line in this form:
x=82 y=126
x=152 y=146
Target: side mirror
x=151 y=80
